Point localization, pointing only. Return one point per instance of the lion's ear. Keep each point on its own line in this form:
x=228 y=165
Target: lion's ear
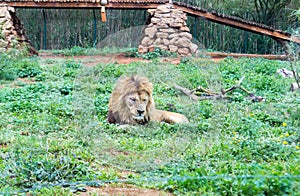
x=151 y=103
x=150 y=108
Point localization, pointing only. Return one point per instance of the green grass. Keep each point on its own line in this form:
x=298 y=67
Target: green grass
x=54 y=138
x=80 y=51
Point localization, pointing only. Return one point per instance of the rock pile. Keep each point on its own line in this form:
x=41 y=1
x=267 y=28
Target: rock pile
x=12 y=32
x=168 y=30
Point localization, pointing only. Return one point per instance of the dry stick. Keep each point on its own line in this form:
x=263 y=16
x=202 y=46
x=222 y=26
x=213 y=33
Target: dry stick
x=234 y=87
x=246 y=91
x=195 y=97
x=202 y=89
x=191 y=94
x=187 y=92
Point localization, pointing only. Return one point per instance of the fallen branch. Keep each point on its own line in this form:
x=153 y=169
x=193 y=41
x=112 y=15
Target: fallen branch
x=201 y=93
x=187 y=92
x=294 y=87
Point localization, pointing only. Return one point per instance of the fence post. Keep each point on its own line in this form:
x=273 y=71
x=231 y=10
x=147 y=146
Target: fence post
x=45 y=30
x=95 y=30
x=195 y=27
x=245 y=42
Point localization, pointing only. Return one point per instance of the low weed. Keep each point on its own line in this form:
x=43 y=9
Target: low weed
x=80 y=51
x=156 y=53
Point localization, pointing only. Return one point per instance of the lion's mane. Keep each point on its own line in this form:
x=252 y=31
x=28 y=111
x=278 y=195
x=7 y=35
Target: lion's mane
x=118 y=111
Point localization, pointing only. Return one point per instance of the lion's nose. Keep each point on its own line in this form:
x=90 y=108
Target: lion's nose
x=140 y=112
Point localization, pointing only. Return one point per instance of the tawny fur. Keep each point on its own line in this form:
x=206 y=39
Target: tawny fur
x=120 y=113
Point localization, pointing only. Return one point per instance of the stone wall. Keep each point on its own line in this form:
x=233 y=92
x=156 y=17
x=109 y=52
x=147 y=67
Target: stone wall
x=12 y=32
x=168 y=30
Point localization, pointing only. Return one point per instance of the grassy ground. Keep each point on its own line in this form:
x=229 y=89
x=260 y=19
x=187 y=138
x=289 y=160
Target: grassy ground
x=54 y=138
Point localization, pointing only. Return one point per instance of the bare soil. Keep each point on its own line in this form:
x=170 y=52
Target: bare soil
x=221 y=55
x=96 y=59
x=122 y=59
x=126 y=190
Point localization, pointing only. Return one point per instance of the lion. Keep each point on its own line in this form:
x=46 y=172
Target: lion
x=131 y=103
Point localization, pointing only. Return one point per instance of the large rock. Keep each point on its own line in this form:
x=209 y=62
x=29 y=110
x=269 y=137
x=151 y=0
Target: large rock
x=158 y=41
x=174 y=40
x=173 y=48
x=163 y=47
x=166 y=42
x=183 y=51
x=176 y=24
x=162 y=35
x=183 y=42
x=184 y=28
x=2 y=21
x=193 y=47
x=142 y=49
x=151 y=11
x=173 y=35
x=155 y=20
x=3 y=11
x=147 y=41
x=168 y=30
x=8 y=25
x=164 y=8
x=151 y=31
x=186 y=34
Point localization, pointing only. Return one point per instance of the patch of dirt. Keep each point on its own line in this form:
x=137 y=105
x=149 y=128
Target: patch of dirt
x=122 y=59
x=128 y=190
x=96 y=59
x=21 y=81
x=17 y=83
x=114 y=152
x=221 y=55
x=26 y=80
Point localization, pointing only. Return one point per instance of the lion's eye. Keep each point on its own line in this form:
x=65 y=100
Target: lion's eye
x=144 y=100
x=132 y=99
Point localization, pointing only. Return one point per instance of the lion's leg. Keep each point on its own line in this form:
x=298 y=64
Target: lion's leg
x=169 y=117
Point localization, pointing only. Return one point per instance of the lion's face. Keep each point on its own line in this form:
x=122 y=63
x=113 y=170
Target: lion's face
x=137 y=103
x=131 y=101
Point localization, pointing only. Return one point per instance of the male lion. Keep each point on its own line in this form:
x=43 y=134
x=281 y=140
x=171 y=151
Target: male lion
x=132 y=103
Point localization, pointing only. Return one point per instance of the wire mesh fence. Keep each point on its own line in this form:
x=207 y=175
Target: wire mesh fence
x=65 y=28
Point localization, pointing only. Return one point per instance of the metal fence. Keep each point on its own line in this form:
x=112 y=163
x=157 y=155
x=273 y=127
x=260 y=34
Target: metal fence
x=65 y=28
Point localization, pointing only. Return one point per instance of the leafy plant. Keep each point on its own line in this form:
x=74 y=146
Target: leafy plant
x=151 y=55
x=74 y=51
x=27 y=68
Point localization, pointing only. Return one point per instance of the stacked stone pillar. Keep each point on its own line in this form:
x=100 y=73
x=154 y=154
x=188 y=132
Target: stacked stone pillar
x=12 y=32
x=168 y=31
